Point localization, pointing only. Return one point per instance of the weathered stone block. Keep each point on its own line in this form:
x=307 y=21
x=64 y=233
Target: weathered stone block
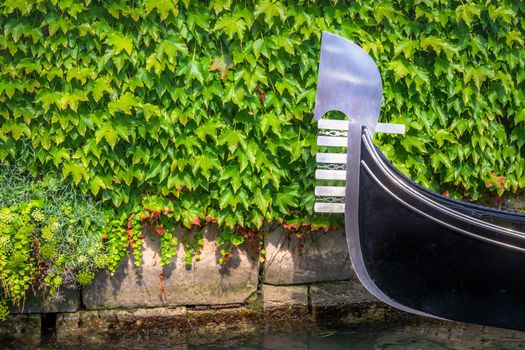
x=206 y=328
x=205 y=282
x=208 y=321
x=285 y=301
x=68 y=325
x=279 y=296
x=317 y=257
x=86 y=324
x=348 y=301
x=155 y=319
x=87 y=327
x=340 y=294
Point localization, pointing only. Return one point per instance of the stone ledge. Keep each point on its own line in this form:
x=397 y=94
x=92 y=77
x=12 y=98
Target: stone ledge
x=349 y=302
x=317 y=257
x=106 y=322
x=340 y=294
x=103 y=323
x=212 y=320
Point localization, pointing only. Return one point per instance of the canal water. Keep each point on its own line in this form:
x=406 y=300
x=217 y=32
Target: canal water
x=421 y=335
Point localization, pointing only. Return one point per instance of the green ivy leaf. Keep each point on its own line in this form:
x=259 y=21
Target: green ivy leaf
x=204 y=163
x=287 y=198
x=270 y=9
x=96 y=184
x=467 y=12
x=124 y=103
x=163 y=7
x=232 y=138
x=231 y=24
x=101 y=85
x=261 y=201
x=77 y=171
x=120 y=43
x=108 y=133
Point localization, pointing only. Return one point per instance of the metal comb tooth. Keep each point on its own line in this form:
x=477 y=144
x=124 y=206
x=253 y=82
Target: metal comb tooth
x=331 y=141
x=387 y=128
x=332 y=166
x=330 y=174
x=331 y=191
x=338 y=158
x=329 y=207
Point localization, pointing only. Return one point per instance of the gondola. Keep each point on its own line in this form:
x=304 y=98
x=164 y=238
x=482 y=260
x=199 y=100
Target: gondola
x=413 y=249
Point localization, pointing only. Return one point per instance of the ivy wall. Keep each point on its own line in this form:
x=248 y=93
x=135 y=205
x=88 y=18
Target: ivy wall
x=205 y=108
x=188 y=112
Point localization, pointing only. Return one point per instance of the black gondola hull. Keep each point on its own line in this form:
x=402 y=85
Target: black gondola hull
x=433 y=258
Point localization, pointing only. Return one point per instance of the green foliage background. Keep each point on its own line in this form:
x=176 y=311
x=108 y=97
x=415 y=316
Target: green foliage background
x=205 y=108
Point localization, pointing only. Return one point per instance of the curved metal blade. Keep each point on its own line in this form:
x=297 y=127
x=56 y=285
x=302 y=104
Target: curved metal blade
x=348 y=81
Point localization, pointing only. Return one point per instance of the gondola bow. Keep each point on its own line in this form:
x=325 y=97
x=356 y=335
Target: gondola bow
x=413 y=249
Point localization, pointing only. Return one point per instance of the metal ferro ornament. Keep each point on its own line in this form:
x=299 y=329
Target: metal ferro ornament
x=413 y=249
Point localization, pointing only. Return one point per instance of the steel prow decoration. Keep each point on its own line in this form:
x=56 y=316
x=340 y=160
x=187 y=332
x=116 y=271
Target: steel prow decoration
x=413 y=249
x=349 y=82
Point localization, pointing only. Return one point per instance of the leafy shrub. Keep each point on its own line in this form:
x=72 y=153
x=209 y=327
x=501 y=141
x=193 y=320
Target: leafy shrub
x=50 y=236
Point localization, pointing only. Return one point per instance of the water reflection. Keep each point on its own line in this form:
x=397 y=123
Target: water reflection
x=311 y=336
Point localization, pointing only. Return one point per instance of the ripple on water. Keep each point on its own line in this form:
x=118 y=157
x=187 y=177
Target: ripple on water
x=413 y=343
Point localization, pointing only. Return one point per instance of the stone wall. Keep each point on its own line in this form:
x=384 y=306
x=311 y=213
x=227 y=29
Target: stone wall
x=205 y=282
x=300 y=278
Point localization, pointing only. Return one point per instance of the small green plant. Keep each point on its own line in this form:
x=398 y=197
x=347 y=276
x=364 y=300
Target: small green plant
x=50 y=236
x=4 y=310
x=193 y=247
